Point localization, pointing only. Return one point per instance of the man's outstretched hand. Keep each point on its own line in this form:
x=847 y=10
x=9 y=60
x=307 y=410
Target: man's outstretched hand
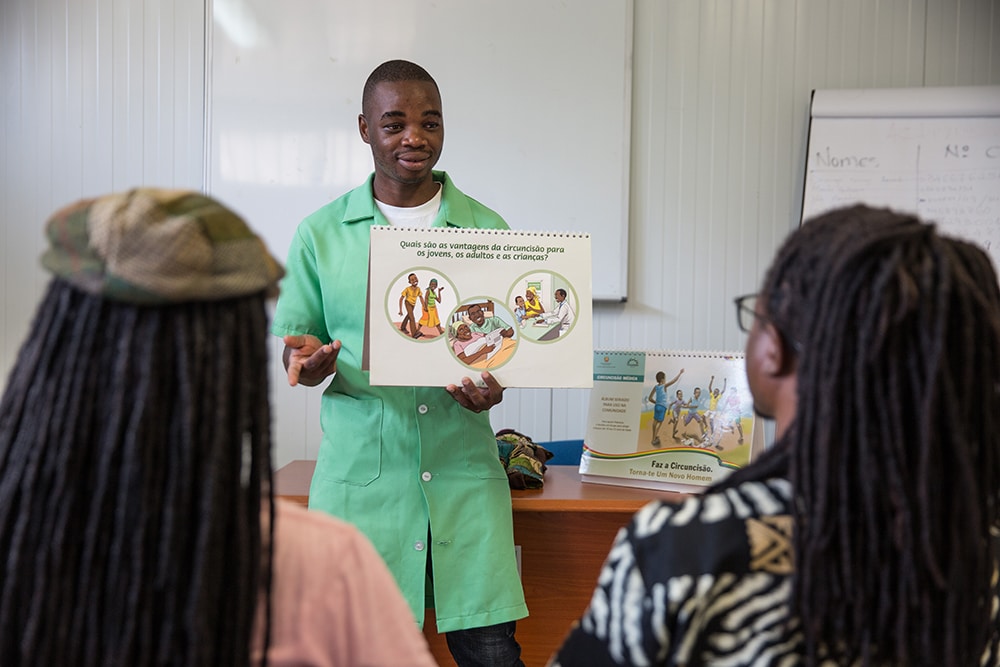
x=308 y=361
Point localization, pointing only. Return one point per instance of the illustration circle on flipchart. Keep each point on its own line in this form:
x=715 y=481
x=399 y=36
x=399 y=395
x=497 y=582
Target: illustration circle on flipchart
x=555 y=281
x=400 y=282
x=498 y=309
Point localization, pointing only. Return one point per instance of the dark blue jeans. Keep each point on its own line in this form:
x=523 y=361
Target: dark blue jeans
x=492 y=646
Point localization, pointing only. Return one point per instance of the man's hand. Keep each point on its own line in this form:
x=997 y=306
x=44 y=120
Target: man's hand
x=308 y=361
x=474 y=398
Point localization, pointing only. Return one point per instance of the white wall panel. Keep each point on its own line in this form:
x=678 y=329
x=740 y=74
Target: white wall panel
x=97 y=96
x=962 y=42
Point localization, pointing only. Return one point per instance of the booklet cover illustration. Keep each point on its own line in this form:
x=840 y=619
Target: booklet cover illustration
x=669 y=420
x=447 y=303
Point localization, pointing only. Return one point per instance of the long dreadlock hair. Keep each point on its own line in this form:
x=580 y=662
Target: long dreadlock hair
x=894 y=453
x=134 y=475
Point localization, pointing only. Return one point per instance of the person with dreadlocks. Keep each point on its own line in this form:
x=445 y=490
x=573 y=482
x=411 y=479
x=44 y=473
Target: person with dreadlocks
x=137 y=520
x=866 y=534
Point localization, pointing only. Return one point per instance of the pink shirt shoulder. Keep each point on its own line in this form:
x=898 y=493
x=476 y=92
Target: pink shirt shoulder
x=333 y=601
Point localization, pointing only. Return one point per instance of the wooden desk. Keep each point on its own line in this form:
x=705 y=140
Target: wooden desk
x=564 y=530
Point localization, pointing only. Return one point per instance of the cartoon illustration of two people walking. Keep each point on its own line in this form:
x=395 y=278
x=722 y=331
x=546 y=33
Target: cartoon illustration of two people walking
x=429 y=323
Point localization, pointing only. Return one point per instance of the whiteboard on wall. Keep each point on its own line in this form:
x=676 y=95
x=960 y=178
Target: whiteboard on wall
x=934 y=152
x=536 y=96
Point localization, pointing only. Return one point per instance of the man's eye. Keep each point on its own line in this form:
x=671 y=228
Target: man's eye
x=432 y=126
x=395 y=127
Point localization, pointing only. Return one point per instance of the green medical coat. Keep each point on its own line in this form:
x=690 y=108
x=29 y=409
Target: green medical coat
x=416 y=472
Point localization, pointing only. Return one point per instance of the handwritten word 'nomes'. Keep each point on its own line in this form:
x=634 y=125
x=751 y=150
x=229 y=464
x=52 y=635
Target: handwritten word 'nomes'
x=839 y=161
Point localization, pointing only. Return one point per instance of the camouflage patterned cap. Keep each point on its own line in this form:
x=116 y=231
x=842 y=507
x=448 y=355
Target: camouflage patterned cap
x=151 y=246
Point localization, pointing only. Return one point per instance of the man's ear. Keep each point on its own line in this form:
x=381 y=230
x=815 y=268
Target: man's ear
x=363 y=128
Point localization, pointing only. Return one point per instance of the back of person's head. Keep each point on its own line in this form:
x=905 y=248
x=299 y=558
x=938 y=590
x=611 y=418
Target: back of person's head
x=135 y=440
x=893 y=451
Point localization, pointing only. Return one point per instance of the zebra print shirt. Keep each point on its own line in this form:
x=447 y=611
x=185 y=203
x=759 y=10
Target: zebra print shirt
x=704 y=582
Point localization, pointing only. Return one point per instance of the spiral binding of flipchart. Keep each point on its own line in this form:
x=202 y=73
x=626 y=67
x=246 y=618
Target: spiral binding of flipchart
x=675 y=354
x=493 y=232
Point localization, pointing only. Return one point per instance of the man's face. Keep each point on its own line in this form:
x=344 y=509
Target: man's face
x=560 y=296
x=405 y=129
x=413 y=280
x=476 y=314
x=697 y=392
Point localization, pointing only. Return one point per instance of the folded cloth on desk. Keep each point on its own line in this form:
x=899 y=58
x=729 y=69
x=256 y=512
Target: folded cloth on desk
x=523 y=460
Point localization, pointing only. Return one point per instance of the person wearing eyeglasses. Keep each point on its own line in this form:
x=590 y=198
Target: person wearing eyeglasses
x=866 y=535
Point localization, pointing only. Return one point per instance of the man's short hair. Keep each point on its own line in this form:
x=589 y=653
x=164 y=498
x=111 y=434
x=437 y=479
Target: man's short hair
x=393 y=71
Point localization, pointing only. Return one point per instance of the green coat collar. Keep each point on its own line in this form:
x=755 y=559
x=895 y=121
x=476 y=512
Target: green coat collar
x=455 y=210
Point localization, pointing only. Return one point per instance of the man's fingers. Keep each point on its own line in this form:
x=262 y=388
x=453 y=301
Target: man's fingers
x=294 y=369
x=324 y=360
x=295 y=341
x=496 y=390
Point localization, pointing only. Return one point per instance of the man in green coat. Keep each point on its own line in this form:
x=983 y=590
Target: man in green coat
x=415 y=468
